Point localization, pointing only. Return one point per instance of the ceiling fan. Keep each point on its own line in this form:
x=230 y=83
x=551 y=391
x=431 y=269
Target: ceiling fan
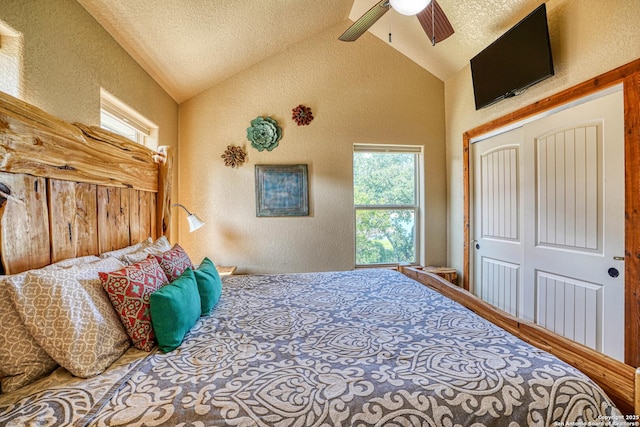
x=429 y=13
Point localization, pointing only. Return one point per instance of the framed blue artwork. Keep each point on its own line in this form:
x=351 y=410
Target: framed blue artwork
x=282 y=190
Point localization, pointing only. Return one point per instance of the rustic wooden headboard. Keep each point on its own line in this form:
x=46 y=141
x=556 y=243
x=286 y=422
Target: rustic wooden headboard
x=68 y=190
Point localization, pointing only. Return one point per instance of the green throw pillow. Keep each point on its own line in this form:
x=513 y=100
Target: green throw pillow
x=209 y=285
x=175 y=308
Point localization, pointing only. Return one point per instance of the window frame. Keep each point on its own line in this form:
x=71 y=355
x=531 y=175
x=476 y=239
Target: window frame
x=11 y=61
x=417 y=208
x=146 y=132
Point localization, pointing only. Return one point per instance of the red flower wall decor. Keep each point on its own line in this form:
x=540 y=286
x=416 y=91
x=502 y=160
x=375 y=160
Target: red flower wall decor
x=302 y=115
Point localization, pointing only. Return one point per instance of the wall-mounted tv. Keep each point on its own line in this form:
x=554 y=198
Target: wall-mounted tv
x=520 y=58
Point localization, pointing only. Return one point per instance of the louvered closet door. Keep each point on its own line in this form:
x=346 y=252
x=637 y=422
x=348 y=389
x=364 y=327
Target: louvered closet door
x=548 y=223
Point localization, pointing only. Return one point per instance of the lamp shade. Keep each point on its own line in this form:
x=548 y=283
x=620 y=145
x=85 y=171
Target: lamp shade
x=194 y=222
x=409 y=7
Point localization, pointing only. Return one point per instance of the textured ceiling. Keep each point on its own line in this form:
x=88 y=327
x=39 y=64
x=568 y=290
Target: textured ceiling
x=188 y=46
x=477 y=23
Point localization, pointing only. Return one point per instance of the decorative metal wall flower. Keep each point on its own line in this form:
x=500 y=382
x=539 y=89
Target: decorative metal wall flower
x=234 y=156
x=302 y=115
x=264 y=133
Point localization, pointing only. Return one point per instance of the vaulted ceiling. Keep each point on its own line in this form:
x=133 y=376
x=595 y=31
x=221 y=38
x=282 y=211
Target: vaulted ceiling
x=188 y=46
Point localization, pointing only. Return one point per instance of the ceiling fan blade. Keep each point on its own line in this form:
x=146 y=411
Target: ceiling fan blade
x=365 y=21
x=435 y=23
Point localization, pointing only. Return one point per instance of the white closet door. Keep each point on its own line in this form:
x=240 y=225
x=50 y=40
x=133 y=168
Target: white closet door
x=574 y=193
x=548 y=224
x=498 y=252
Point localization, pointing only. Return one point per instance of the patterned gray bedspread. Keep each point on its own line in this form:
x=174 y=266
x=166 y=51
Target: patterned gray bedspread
x=360 y=348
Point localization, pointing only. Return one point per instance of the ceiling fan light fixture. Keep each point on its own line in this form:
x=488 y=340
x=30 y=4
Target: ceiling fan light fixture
x=409 y=7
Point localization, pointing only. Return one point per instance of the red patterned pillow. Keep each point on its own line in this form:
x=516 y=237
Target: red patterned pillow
x=129 y=290
x=174 y=262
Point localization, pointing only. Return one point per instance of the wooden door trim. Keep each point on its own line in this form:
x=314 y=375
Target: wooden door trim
x=629 y=76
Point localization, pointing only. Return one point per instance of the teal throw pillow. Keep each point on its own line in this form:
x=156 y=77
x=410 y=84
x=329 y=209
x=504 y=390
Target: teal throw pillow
x=175 y=308
x=209 y=285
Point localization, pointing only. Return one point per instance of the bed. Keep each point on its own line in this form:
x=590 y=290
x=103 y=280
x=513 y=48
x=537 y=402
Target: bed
x=363 y=347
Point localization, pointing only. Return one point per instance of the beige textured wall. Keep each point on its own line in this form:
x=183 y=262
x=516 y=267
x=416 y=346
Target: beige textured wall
x=362 y=92
x=68 y=57
x=588 y=38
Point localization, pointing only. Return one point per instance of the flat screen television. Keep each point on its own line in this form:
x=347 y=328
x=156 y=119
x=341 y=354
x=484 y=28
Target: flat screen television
x=521 y=57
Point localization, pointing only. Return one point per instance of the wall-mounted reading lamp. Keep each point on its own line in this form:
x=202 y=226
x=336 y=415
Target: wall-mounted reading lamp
x=194 y=221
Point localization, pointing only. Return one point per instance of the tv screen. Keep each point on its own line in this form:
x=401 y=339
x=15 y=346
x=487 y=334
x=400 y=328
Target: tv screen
x=517 y=60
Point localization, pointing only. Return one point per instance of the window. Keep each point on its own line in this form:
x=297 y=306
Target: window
x=387 y=204
x=11 y=54
x=117 y=117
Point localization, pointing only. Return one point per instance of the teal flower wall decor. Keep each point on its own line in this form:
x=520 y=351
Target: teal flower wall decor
x=264 y=133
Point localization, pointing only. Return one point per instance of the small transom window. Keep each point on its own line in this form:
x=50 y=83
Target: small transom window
x=117 y=117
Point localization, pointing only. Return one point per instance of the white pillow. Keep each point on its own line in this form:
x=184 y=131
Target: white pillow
x=158 y=247
x=120 y=253
x=70 y=316
x=70 y=262
x=22 y=359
